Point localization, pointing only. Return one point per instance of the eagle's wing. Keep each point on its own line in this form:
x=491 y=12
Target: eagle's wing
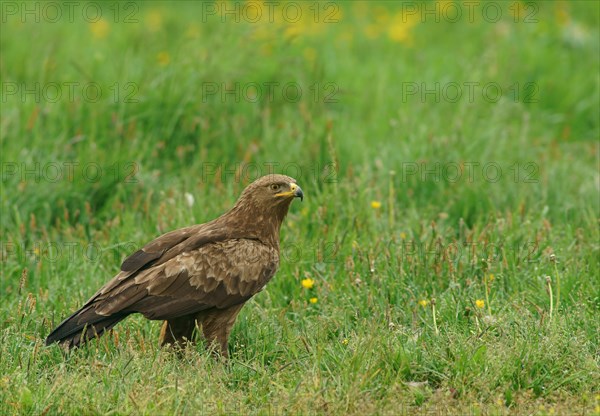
x=171 y=244
x=214 y=275
x=220 y=275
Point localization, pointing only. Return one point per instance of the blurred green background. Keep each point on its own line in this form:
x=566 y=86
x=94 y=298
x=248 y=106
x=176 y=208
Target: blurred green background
x=438 y=143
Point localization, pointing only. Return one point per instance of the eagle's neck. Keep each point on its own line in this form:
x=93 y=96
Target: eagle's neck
x=254 y=221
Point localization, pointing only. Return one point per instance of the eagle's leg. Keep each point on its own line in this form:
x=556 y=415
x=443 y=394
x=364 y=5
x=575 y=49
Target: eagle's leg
x=216 y=326
x=178 y=331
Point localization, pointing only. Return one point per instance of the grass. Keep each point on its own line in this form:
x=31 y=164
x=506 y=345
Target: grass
x=453 y=243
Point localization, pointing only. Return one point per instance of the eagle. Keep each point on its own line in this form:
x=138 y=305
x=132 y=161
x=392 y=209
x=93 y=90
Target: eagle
x=194 y=277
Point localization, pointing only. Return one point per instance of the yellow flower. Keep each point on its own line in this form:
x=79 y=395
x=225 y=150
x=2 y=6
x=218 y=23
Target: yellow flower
x=345 y=341
x=99 y=29
x=400 y=29
x=308 y=283
x=403 y=235
x=375 y=204
x=154 y=20
x=423 y=302
x=163 y=58
x=480 y=303
x=491 y=278
x=313 y=300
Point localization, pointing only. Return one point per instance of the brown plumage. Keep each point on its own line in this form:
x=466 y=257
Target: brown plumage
x=198 y=276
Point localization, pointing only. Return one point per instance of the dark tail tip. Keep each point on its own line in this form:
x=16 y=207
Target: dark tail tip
x=82 y=326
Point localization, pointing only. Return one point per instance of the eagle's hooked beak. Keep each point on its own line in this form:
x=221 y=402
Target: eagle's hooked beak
x=295 y=191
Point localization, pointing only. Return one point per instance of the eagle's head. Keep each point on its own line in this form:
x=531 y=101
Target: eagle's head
x=265 y=202
x=271 y=192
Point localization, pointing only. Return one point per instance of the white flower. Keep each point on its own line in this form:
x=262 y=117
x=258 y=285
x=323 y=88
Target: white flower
x=189 y=199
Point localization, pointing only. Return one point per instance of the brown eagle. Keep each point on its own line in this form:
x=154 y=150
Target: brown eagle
x=198 y=276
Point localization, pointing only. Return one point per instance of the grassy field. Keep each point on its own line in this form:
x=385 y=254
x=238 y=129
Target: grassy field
x=445 y=259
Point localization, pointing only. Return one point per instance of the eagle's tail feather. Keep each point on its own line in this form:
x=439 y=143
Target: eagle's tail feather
x=82 y=326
